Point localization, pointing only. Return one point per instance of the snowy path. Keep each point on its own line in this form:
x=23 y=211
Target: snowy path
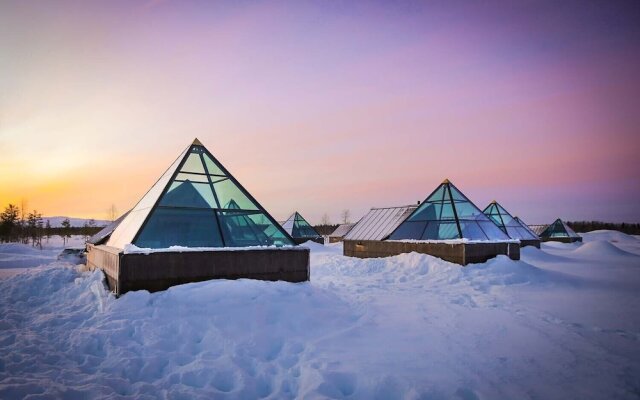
x=560 y=323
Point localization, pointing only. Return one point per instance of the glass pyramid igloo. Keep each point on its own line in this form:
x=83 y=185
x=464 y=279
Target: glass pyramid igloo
x=298 y=227
x=559 y=229
x=198 y=203
x=445 y=215
x=507 y=223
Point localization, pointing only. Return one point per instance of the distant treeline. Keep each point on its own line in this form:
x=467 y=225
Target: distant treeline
x=325 y=229
x=18 y=225
x=588 y=226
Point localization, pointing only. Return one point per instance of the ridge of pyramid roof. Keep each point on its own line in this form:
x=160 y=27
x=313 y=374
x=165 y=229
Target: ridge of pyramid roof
x=445 y=181
x=196 y=142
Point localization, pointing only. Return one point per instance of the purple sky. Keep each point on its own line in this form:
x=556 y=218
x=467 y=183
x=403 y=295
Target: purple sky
x=325 y=106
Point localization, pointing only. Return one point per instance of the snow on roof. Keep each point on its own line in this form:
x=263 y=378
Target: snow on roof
x=378 y=223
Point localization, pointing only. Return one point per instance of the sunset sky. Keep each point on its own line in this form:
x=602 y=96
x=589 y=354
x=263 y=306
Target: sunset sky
x=323 y=106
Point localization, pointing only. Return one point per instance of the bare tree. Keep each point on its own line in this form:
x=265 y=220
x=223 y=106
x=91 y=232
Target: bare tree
x=66 y=227
x=325 y=219
x=345 y=215
x=22 y=228
x=112 y=213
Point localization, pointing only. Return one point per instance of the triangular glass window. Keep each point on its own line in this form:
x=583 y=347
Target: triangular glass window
x=212 y=166
x=447 y=214
x=193 y=163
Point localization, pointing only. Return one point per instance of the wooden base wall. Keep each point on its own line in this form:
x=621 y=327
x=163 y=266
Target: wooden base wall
x=459 y=253
x=159 y=271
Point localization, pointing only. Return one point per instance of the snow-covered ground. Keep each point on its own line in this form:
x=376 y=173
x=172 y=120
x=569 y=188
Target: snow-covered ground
x=562 y=323
x=15 y=257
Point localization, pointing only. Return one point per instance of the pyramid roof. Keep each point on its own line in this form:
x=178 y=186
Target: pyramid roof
x=447 y=214
x=298 y=227
x=558 y=229
x=507 y=223
x=198 y=203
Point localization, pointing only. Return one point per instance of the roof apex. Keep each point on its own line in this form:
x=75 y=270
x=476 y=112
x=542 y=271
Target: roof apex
x=196 y=142
x=446 y=181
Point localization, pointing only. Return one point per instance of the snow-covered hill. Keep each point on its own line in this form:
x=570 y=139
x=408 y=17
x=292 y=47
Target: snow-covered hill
x=562 y=323
x=56 y=222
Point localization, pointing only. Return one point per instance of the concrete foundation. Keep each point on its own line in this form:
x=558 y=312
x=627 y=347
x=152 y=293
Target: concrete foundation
x=459 y=253
x=562 y=239
x=159 y=271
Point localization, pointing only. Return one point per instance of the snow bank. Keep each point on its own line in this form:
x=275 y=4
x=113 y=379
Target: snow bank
x=14 y=257
x=611 y=236
x=601 y=249
x=553 y=325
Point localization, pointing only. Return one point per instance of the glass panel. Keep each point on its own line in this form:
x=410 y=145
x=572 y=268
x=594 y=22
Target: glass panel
x=513 y=233
x=249 y=229
x=467 y=210
x=302 y=229
x=471 y=230
x=191 y=177
x=231 y=197
x=188 y=194
x=408 y=230
x=492 y=231
x=496 y=219
x=179 y=227
x=438 y=195
x=193 y=164
x=212 y=167
x=426 y=212
x=447 y=230
x=457 y=195
x=430 y=232
x=271 y=230
x=447 y=212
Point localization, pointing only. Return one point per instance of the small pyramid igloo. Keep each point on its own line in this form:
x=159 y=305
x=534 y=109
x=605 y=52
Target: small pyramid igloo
x=198 y=203
x=299 y=228
x=559 y=230
x=507 y=223
x=447 y=214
